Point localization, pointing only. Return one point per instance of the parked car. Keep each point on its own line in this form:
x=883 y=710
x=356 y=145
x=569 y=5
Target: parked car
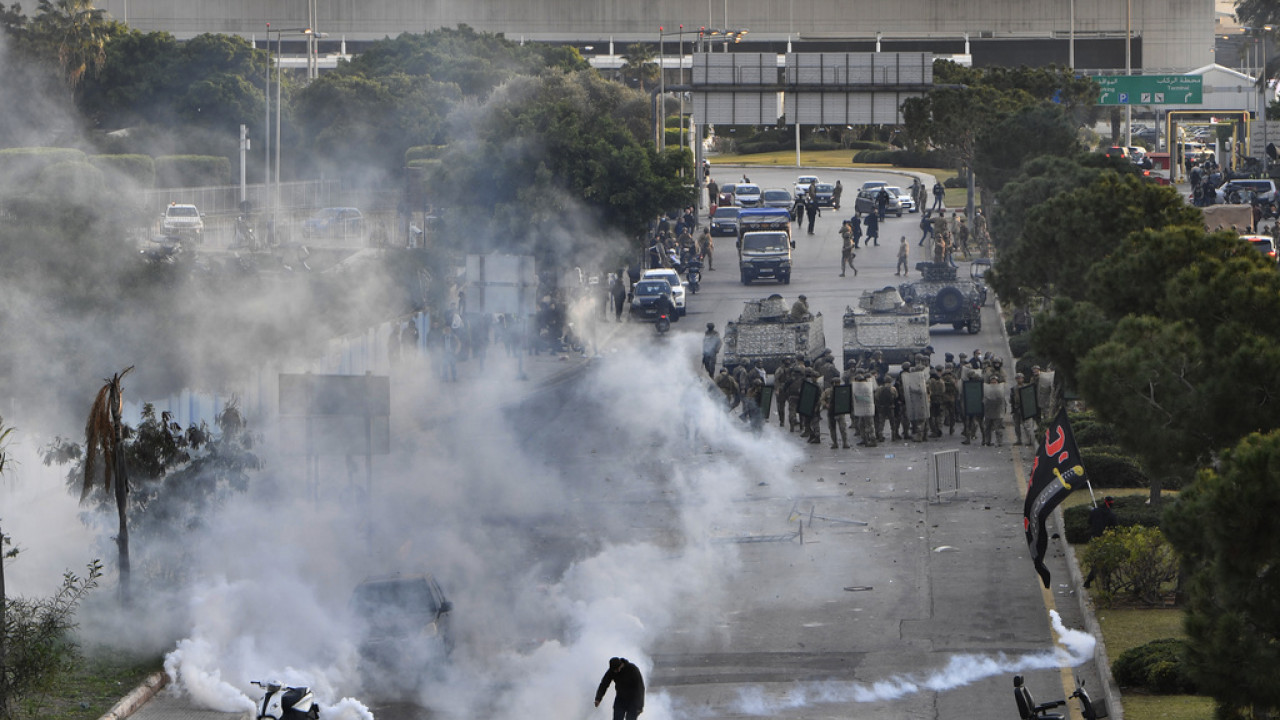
x=1245 y=190
x=644 y=299
x=179 y=220
x=1264 y=244
x=405 y=627
x=725 y=220
x=727 y=195
x=866 y=202
x=803 y=182
x=778 y=198
x=335 y=222
x=746 y=195
x=677 y=286
x=826 y=194
x=873 y=184
x=906 y=203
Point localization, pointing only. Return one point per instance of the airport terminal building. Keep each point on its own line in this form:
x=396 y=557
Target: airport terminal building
x=1169 y=36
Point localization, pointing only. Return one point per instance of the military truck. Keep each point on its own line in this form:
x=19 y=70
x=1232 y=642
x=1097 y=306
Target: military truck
x=764 y=244
x=766 y=332
x=884 y=322
x=951 y=301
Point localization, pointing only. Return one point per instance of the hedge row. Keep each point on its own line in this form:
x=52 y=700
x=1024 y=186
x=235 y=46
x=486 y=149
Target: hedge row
x=141 y=169
x=176 y=171
x=1129 y=510
x=903 y=158
x=424 y=152
x=20 y=168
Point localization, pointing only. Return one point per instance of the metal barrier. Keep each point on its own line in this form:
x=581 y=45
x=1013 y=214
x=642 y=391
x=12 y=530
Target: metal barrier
x=944 y=467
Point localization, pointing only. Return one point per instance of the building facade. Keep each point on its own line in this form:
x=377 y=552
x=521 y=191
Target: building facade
x=1168 y=35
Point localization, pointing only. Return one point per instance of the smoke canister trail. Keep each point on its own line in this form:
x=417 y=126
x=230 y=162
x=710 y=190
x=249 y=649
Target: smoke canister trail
x=1075 y=647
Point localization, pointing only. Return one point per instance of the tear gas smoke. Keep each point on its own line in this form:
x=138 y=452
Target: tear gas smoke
x=1076 y=648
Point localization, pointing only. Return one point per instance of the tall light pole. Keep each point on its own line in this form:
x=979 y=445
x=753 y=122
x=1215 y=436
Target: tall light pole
x=1128 y=69
x=662 y=90
x=275 y=191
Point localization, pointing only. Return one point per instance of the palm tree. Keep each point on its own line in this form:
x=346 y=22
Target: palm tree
x=639 y=64
x=103 y=434
x=79 y=31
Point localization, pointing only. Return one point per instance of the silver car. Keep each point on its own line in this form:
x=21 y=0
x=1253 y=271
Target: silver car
x=747 y=195
x=906 y=203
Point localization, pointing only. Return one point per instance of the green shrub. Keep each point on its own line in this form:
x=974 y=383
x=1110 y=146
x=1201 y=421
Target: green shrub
x=928 y=159
x=959 y=181
x=1130 y=510
x=817 y=144
x=1158 y=666
x=20 y=168
x=1133 y=562
x=868 y=145
x=1113 y=471
x=174 y=171
x=875 y=157
x=77 y=179
x=1092 y=433
x=141 y=169
x=1019 y=345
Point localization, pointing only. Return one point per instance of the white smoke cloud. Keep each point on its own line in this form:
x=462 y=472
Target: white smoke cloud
x=1076 y=647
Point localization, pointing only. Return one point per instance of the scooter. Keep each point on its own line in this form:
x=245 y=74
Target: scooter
x=286 y=703
x=693 y=272
x=1088 y=710
x=663 y=324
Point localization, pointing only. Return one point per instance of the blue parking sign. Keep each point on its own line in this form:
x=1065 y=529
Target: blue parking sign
x=1124 y=98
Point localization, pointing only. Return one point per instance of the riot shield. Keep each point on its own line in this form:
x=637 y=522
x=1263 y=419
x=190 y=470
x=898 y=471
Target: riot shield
x=864 y=398
x=766 y=400
x=994 y=400
x=971 y=394
x=916 y=397
x=1044 y=391
x=842 y=400
x=1027 y=397
x=808 y=406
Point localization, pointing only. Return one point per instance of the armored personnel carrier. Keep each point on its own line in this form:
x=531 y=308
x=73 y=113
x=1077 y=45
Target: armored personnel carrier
x=951 y=300
x=765 y=331
x=883 y=321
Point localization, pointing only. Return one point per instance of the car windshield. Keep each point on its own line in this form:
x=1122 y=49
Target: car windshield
x=183 y=211
x=1263 y=244
x=765 y=242
x=806 y=179
x=729 y=213
x=897 y=191
x=653 y=287
x=826 y=187
x=747 y=190
x=779 y=195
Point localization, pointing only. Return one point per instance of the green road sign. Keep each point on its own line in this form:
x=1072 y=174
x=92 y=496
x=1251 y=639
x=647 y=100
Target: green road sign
x=1150 y=89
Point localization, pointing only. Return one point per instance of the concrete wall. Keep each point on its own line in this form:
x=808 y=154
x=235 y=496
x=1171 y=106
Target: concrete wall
x=1177 y=34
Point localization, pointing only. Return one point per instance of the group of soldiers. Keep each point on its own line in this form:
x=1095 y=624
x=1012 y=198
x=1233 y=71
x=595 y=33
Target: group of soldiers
x=948 y=234
x=915 y=402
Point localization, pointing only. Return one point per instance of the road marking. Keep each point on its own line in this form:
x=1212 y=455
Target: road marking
x=1046 y=596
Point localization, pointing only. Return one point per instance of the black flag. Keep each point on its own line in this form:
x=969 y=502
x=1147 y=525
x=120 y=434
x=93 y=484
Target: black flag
x=1054 y=474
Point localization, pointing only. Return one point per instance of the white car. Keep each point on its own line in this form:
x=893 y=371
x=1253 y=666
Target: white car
x=803 y=182
x=746 y=195
x=905 y=201
x=673 y=279
x=179 y=220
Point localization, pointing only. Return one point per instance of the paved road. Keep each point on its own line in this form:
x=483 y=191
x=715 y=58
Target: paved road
x=780 y=579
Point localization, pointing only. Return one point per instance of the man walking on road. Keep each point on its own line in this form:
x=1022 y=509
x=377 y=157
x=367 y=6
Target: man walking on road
x=710 y=349
x=873 y=229
x=846 y=250
x=628 y=689
x=938 y=192
x=904 y=251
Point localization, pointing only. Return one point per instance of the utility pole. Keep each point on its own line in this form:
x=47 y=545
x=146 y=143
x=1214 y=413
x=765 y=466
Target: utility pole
x=244 y=148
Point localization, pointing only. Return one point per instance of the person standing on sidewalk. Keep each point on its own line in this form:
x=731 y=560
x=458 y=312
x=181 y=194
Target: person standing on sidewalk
x=904 y=251
x=710 y=349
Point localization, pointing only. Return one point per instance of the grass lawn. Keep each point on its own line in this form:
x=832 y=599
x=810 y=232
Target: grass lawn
x=99 y=681
x=1167 y=707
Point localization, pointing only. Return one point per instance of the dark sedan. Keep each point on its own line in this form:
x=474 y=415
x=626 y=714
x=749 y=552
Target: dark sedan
x=725 y=221
x=644 y=302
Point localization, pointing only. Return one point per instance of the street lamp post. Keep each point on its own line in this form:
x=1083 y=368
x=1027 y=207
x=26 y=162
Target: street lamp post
x=275 y=189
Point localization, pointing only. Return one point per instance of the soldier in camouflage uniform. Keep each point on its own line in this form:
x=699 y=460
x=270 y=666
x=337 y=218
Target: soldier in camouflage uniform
x=994 y=408
x=886 y=399
x=751 y=403
x=1015 y=405
x=795 y=380
x=813 y=424
x=834 y=422
x=937 y=400
x=950 y=393
x=972 y=423
x=780 y=379
x=729 y=386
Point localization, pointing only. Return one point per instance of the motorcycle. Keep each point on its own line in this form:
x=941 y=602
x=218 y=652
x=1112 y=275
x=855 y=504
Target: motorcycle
x=1088 y=710
x=282 y=702
x=694 y=274
x=245 y=236
x=663 y=324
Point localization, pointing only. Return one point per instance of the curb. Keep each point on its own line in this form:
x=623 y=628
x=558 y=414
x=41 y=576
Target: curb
x=1115 y=710
x=137 y=697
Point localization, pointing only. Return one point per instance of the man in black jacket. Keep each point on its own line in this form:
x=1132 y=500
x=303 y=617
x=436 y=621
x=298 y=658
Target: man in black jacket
x=628 y=686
